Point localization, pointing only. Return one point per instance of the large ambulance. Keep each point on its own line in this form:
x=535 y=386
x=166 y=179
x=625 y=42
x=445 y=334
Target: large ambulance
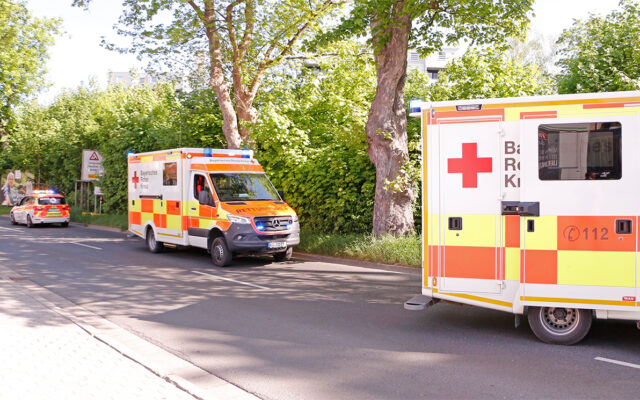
x=219 y=200
x=530 y=206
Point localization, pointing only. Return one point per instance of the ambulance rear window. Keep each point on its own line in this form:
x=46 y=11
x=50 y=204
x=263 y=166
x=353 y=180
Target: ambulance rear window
x=46 y=201
x=580 y=151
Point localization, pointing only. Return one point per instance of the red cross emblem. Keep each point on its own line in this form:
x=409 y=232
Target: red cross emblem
x=470 y=165
x=135 y=179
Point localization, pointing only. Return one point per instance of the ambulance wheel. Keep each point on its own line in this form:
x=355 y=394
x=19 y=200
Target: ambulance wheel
x=153 y=245
x=558 y=325
x=283 y=255
x=64 y=224
x=220 y=254
x=12 y=219
x=29 y=222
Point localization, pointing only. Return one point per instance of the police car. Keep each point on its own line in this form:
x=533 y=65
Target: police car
x=41 y=207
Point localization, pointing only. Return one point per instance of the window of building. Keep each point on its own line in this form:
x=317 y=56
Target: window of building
x=442 y=55
x=581 y=151
x=433 y=73
x=414 y=57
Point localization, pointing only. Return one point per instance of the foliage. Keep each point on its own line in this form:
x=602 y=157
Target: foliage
x=311 y=138
x=436 y=23
x=120 y=221
x=602 y=53
x=241 y=39
x=49 y=140
x=404 y=250
x=24 y=41
x=488 y=73
x=5 y=210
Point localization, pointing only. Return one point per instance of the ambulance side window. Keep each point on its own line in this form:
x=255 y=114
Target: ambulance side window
x=198 y=184
x=580 y=151
x=170 y=174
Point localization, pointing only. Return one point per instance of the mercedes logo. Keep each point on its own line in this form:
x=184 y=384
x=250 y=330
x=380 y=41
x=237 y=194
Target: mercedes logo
x=275 y=223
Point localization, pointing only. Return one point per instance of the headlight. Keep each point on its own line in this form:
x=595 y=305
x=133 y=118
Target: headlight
x=238 y=220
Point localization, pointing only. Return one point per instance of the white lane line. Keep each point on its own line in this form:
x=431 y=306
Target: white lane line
x=10 y=229
x=624 y=364
x=86 y=245
x=232 y=280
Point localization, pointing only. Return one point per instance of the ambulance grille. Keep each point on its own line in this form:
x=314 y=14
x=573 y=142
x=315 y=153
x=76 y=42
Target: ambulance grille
x=274 y=224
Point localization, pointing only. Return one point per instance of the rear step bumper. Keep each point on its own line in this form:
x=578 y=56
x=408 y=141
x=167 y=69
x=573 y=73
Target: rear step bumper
x=419 y=302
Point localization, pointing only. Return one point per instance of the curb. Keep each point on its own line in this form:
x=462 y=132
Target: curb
x=173 y=369
x=359 y=263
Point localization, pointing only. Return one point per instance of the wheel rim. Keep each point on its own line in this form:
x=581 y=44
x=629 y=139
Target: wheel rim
x=218 y=252
x=152 y=240
x=559 y=321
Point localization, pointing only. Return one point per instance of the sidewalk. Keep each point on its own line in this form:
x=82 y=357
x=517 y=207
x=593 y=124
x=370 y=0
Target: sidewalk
x=46 y=356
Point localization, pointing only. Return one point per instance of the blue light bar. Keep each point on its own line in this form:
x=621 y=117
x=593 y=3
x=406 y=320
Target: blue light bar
x=207 y=152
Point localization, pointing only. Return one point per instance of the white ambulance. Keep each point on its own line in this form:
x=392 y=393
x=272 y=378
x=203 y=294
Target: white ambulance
x=219 y=200
x=530 y=206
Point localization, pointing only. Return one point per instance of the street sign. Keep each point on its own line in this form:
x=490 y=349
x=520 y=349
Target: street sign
x=91 y=165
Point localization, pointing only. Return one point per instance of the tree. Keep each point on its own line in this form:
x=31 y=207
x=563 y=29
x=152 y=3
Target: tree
x=242 y=39
x=396 y=25
x=602 y=53
x=24 y=41
x=488 y=73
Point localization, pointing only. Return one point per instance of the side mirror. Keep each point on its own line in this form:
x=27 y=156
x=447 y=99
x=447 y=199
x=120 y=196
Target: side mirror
x=281 y=194
x=205 y=198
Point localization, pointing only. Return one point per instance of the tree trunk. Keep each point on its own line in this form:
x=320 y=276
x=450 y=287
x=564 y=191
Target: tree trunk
x=247 y=114
x=387 y=129
x=229 y=117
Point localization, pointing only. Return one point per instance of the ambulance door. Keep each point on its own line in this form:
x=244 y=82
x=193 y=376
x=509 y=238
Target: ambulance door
x=579 y=184
x=470 y=207
x=199 y=213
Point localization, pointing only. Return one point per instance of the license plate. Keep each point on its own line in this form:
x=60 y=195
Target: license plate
x=277 y=245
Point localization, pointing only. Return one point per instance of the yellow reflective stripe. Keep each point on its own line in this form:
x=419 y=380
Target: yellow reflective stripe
x=167 y=234
x=597 y=268
x=136 y=232
x=476 y=298
x=578 y=301
x=545 y=236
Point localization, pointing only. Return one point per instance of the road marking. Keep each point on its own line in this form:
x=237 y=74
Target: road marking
x=86 y=245
x=624 y=364
x=232 y=280
x=10 y=229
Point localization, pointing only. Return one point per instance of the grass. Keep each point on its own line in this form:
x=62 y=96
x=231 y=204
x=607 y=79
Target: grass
x=4 y=210
x=119 y=221
x=388 y=249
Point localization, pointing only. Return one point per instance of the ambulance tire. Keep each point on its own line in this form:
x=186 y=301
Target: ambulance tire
x=64 y=224
x=153 y=245
x=220 y=254
x=29 y=222
x=283 y=255
x=558 y=325
x=12 y=219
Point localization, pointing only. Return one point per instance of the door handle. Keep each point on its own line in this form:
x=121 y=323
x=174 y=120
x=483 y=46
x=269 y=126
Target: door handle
x=193 y=208
x=523 y=208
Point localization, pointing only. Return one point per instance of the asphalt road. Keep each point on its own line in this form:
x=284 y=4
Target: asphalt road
x=317 y=330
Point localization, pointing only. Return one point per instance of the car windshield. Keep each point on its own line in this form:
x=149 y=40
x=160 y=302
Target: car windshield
x=46 y=201
x=242 y=187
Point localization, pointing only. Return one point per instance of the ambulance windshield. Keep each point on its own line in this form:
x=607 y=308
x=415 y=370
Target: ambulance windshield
x=242 y=187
